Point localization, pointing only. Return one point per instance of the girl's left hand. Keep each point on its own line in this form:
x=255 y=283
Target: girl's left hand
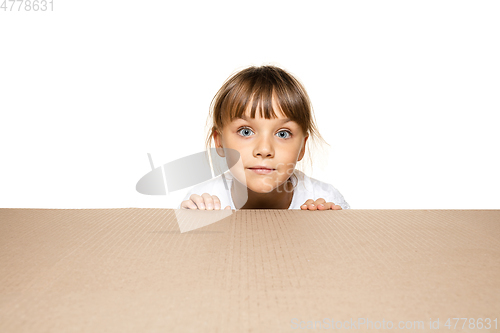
x=319 y=204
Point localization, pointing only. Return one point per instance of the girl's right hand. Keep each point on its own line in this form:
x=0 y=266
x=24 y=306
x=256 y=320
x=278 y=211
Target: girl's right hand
x=202 y=202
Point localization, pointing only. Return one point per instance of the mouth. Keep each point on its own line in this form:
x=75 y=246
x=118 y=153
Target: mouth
x=261 y=170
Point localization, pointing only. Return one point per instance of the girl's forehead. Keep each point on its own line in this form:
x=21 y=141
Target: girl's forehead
x=264 y=109
x=275 y=111
x=278 y=114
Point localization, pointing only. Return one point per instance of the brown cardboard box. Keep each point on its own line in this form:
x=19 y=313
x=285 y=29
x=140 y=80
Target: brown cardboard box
x=132 y=270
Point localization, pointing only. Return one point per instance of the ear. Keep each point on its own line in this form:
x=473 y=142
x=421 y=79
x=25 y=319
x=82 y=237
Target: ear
x=218 y=143
x=303 y=149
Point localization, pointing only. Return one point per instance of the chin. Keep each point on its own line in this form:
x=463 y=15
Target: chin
x=262 y=186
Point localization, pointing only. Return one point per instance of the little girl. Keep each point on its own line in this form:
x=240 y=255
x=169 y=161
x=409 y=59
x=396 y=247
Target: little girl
x=265 y=115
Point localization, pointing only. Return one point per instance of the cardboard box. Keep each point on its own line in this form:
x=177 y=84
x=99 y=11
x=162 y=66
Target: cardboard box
x=132 y=270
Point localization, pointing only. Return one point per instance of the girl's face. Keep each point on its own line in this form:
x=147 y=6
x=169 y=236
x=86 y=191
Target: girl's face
x=274 y=144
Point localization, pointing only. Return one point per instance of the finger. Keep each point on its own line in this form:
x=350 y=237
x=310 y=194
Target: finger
x=198 y=200
x=325 y=206
x=188 y=204
x=318 y=202
x=314 y=204
x=228 y=207
x=209 y=201
x=336 y=207
x=306 y=204
x=312 y=207
x=216 y=202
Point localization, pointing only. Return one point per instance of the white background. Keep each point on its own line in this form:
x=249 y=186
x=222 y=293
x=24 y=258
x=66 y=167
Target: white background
x=405 y=92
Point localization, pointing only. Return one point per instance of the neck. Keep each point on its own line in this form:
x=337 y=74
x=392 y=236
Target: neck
x=279 y=198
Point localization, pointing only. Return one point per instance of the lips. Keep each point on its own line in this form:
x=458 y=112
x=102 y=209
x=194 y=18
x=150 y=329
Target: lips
x=261 y=169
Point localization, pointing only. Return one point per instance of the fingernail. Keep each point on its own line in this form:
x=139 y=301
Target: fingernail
x=209 y=206
x=321 y=206
x=202 y=206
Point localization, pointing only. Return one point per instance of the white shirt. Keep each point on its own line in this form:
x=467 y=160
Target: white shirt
x=307 y=188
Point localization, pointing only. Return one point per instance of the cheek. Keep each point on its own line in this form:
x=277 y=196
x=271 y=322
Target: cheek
x=291 y=155
x=232 y=157
x=243 y=151
x=285 y=170
x=288 y=161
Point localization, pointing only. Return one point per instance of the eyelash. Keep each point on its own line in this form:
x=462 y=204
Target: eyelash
x=287 y=131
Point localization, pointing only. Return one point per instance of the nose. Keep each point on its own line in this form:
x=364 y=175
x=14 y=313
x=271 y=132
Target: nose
x=263 y=147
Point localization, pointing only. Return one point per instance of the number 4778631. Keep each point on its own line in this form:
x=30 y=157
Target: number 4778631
x=27 y=5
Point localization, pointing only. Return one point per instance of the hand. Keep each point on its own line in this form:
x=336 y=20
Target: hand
x=319 y=204
x=202 y=202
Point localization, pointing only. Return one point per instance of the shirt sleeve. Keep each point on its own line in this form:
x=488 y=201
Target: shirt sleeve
x=330 y=194
x=338 y=198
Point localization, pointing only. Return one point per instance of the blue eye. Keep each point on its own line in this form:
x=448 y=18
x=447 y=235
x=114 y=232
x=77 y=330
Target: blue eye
x=285 y=137
x=246 y=131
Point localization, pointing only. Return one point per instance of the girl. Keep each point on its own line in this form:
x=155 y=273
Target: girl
x=262 y=118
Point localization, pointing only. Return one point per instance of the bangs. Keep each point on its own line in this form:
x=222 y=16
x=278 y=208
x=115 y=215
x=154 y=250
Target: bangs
x=255 y=89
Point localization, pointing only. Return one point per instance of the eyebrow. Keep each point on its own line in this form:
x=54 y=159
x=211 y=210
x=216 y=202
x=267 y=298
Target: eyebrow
x=286 y=120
